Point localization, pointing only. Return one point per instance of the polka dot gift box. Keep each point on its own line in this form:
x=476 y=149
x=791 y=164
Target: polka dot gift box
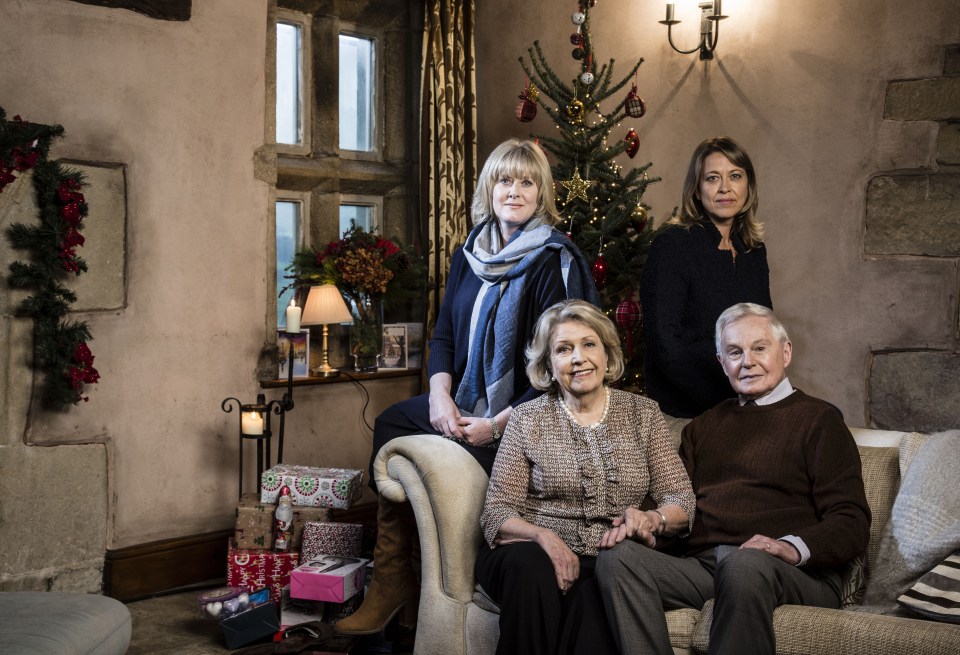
x=312 y=486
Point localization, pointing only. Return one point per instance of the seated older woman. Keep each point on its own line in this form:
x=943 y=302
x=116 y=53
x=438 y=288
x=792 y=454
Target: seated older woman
x=573 y=467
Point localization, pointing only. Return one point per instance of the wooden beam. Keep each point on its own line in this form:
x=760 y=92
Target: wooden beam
x=160 y=9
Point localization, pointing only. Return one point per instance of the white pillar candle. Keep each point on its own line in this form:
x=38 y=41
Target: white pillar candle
x=716 y=7
x=251 y=423
x=293 y=318
x=669 y=12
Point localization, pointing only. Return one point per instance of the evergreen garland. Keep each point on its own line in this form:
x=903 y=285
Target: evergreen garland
x=600 y=201
x=60 y=348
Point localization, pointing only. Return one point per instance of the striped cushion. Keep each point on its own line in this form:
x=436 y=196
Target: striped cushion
x=936 y=595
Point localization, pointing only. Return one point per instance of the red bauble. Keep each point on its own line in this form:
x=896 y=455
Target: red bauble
x=526 y=110
x=629 y=313
x=634 y=104
x=633 y=143
x=576 y=38
x=599 y=271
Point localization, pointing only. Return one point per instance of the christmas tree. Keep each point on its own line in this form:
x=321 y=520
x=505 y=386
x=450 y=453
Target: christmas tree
x=600 y=201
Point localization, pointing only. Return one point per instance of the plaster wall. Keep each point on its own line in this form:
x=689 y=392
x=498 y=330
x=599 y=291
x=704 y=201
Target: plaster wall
x=801 y=85
x=180 y=106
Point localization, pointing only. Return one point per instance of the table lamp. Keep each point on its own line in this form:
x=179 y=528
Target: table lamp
x=324 y=306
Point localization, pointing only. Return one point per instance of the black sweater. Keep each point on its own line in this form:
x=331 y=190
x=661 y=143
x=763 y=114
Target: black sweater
x=687 y=283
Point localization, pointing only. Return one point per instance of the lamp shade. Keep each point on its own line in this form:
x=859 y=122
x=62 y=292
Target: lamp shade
x=325 y=305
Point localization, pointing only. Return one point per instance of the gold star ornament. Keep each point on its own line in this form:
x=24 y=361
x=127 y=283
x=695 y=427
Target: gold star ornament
x=577 y=187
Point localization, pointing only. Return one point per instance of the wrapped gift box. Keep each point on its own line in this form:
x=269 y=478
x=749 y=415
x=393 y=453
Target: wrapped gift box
x=254 y=527
x=250 y=625
x=253 y=569
x=312 y=486
x=328 y=578
x=337 y=539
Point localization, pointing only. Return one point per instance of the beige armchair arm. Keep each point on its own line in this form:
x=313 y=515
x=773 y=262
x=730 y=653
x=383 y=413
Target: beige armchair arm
x=447 y=488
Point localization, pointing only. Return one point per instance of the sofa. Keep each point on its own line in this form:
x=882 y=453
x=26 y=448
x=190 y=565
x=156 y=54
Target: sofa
x=63 y=623
x=447 y=488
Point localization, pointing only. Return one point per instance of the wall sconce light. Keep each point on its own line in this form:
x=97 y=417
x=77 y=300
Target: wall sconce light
x=255 y=417
x=710 y=17
x=324 y=306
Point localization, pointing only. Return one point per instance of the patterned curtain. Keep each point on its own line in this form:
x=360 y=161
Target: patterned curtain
x=448 y=157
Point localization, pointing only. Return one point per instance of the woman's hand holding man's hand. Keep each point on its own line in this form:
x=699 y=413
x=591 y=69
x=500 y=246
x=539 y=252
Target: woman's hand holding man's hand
x=634 y=524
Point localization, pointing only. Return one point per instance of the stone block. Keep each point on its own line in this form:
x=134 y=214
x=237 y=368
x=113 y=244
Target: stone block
x=16 y=378
x=948 y=144
x=951 y=61
x=915 y=391
x=936 y=99
x=102 y=286
x=105 y=231
x=913 y=215
x=53 y=515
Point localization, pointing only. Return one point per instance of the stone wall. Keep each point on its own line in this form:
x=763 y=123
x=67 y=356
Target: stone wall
x=916 y=214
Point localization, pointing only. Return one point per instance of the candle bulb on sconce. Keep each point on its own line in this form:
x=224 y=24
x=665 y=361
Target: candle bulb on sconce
x=711 y=13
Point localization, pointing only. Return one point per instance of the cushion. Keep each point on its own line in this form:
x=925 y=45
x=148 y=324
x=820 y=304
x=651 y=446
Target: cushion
x=61 y=623
x=923 y=529
x=936 y=595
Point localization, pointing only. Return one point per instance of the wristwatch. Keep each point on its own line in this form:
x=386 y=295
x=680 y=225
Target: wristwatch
x=495 y=429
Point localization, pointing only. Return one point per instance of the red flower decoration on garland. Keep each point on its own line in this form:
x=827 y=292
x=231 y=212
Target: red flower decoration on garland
x=82 y=371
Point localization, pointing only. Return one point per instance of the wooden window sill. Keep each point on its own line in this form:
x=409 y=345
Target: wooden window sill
x=346 y=375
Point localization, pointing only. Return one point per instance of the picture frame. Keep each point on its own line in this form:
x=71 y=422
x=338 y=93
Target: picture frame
x=394 y=346
x=301 y=353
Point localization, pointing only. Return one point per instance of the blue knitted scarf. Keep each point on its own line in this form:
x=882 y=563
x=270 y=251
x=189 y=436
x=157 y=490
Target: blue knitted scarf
x=488 y=383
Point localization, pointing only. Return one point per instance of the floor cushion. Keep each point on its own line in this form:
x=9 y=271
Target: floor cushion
x=62 y=623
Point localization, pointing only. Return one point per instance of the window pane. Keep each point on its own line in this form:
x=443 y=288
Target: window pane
x=356 y=93
x=288 y=239
x=289 y=75
x=362 y=215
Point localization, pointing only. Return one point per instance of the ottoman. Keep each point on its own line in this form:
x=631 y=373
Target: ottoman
x=62 y=623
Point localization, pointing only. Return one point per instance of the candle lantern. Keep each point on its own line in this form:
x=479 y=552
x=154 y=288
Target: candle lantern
x=255 y=419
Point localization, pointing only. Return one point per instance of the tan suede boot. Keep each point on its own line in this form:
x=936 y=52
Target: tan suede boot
x=393 y=582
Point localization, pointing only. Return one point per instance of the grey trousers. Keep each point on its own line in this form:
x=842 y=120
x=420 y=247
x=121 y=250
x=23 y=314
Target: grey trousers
x=637 y=584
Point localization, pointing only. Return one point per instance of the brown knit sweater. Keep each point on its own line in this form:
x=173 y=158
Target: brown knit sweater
x=575 y=480
x=790 y=468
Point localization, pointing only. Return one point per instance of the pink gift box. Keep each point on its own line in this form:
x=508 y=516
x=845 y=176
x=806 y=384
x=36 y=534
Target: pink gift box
x=337 y=539
x=312 y=486
x=327 y=578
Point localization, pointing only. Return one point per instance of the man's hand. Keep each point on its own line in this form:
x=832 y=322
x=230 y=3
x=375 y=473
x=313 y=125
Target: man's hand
x=566 y=564
x=634 y=524
x=781 y=549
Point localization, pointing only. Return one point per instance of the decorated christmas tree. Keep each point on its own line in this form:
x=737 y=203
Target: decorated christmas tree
x=600 y=200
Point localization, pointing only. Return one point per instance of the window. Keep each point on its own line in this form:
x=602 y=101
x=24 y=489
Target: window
x=289 y=239
x=357 y=93
x=363 y=210
x=341 y=152
x=289 y=86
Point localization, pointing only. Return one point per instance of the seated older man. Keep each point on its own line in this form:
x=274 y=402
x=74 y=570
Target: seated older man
x=780 y=506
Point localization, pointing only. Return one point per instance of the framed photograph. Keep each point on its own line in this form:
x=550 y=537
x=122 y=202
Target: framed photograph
x=394 y=345
x=301 y=353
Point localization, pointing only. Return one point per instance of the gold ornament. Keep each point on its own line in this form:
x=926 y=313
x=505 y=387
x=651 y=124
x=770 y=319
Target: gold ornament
x=575 y=110
x=638 y=218
x=532 y=93
x=577 y=187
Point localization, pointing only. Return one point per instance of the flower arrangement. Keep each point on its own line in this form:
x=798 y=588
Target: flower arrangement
x=371 y=272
